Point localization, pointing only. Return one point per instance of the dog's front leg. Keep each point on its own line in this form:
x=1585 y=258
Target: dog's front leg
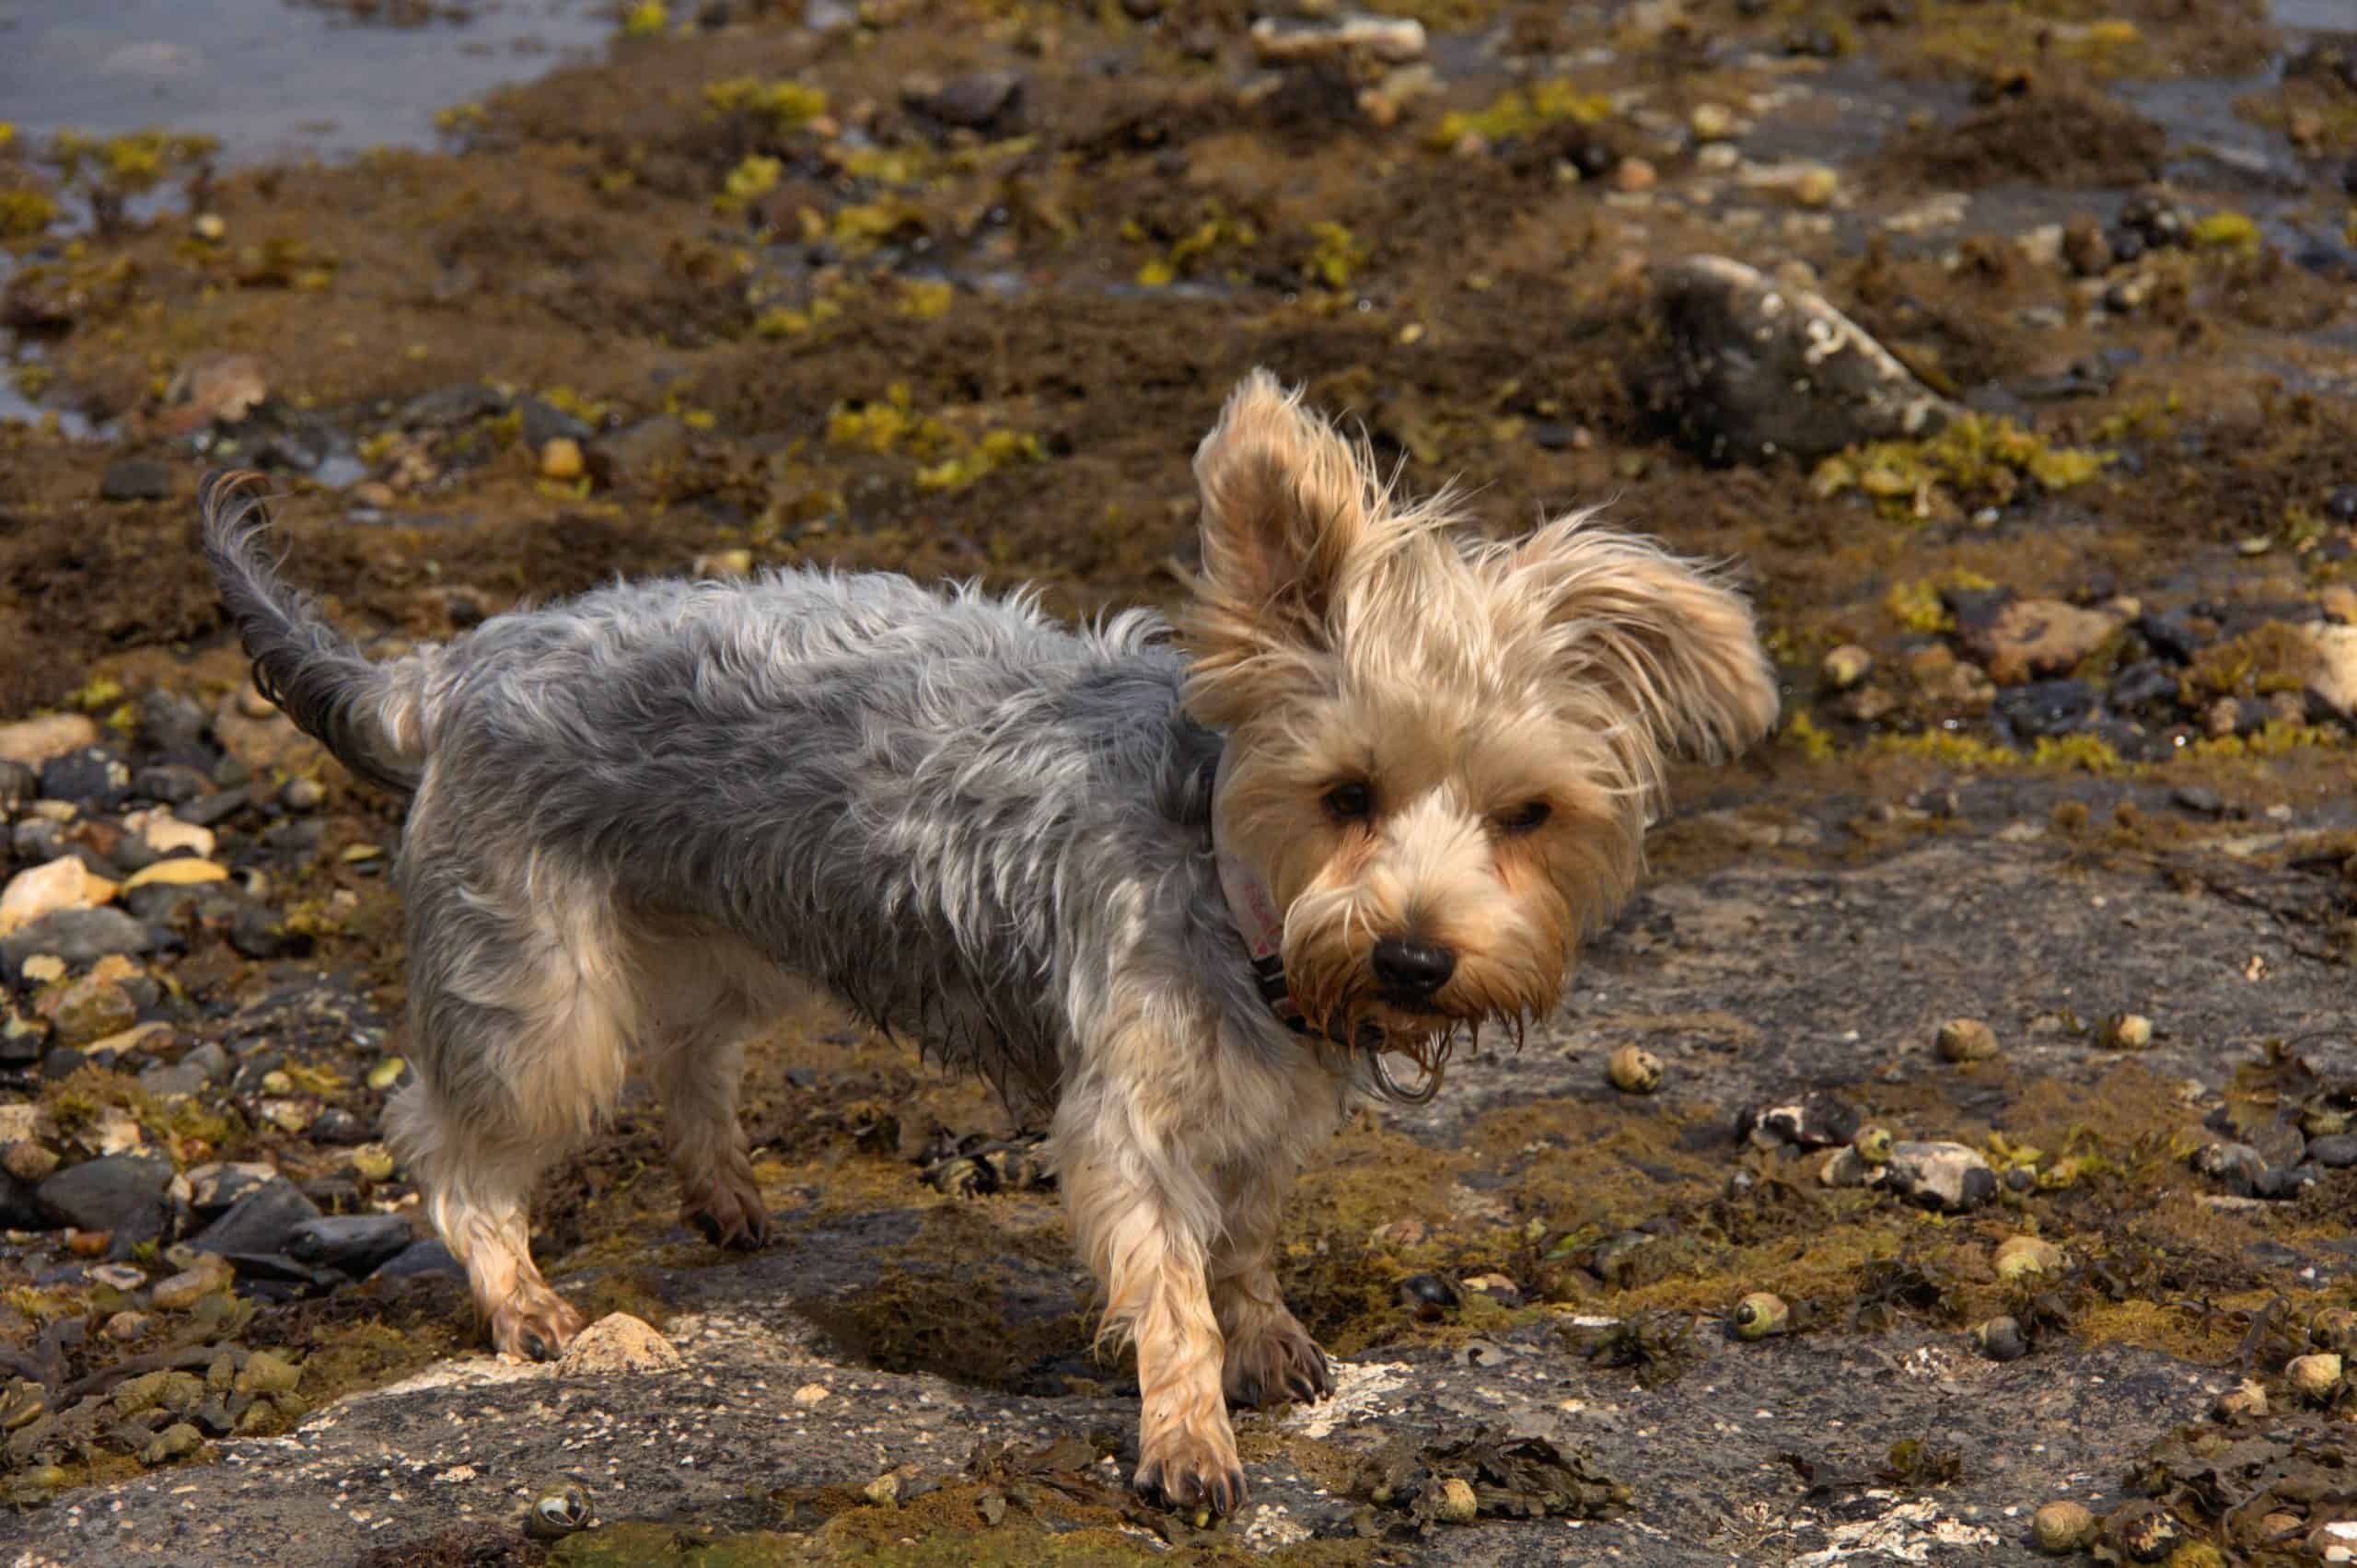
x=1142 y=1218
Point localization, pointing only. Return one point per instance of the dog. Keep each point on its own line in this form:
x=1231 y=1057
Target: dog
x=1183 y=895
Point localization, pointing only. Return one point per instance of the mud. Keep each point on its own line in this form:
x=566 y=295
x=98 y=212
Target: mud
x=814 y=289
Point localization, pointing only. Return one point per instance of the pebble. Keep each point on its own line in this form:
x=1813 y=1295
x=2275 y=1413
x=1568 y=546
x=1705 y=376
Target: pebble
x=1395 y=41
x=2244 y=1401
x=2061 y=1528
x=1948 y=1177
x=2336 y=1152
x=1846 y=667
x=560 y=458
x=180 y=871
x=422 y=1257
x=618 y=1342
x=259 y=1223
x=1633 y=1070
x=1819 y=1120
x=125 y=1195
x=64 y=883
x=1459 y=1503
x=1966 y=1040
x=1711 y=122
x=303 y=794
x=2020 y=1255
x=33 y=742
x=2141 y=1532
x=811 y=1394
x=28 y=1162
x=183 y=1290
x=2126 y=1031
x=267 y=1373
x=90 y=1009
x=1634 y=174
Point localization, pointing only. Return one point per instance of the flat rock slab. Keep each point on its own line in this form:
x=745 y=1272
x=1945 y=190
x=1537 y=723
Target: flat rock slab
x=1754 y=981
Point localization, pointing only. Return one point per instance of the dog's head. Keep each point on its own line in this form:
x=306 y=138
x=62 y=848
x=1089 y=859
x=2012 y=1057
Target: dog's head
x=1441 y=752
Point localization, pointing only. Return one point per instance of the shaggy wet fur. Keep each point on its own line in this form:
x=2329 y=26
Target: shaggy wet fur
x=637 y=816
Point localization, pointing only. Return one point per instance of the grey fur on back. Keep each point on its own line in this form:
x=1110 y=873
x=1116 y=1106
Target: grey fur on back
x=956 y=815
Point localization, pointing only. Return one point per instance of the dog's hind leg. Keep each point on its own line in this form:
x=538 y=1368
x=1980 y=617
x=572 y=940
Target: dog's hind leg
x=521 y=1011
x=694 y=1048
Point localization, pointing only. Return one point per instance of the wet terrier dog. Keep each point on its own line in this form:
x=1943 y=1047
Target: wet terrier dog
x=1183 y=896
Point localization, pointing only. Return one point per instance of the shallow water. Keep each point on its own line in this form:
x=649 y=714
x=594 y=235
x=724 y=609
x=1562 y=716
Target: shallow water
x=269 y=78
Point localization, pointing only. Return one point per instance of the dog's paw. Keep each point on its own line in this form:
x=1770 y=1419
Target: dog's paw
x=729 y=1214
x=1187 y=1472
x=1280 y=1363
x=534 y=1324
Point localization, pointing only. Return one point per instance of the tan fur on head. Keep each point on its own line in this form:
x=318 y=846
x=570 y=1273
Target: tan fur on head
x=1509 y=709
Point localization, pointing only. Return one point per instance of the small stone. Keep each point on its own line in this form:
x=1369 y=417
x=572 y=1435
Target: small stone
x=1633 y=1070
x=560 y=458
x=2086 y=248
x=90 y=1009
x=1459 y=1503
x=2031 y=639
x=883 y=1491
x=639 y=452
x=176 y=1441
x=2199 y=801
x=135 y=479
x=2019 y=1255
x=304 y=793
x=1816 y=186
x=183 y=1290
x=2238 y=1165
x=160 y=833
x=2141 y=1532
x=977 y=100
x=1393 y=40
x=812 y=1394
x=28 y=1162
x=258 y=1223
x=180 y=871
x=1429 y=1295
x=2126 y=1031
x=2001 y=1338
x=2333 y=680
x=1846 y=667
x=64 y=883
x=558 y=1512
x=1966 y=1040
x=423 y=1258
x=373 y=1161
x=2335 y=1542
x=1634 y=174
x=125 y=1196
x=1760 y=1316
x=1819 y=1120
x=1950 y=1178
x=353 y=1244
x=2316 y=1376
x=2061 y=1528
x=123 y=1328
x=618 y=1342
x=1711 y=122
x=266 y=1373
x=2334 y=1328
x=2244 y=1401
x=2336 y=1152
x=33 y=742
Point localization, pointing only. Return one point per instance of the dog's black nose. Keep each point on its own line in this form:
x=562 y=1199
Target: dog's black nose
x=1420 y=968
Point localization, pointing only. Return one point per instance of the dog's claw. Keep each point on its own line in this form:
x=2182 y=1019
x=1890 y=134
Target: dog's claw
x=1222 y=1494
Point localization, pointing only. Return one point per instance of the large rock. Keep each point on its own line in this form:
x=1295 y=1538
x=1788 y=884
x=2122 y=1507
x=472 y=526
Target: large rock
x=127 y=1195
x=1757 y=368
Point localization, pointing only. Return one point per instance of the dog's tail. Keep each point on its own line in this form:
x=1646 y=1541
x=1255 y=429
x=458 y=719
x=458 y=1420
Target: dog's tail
x=366 y=714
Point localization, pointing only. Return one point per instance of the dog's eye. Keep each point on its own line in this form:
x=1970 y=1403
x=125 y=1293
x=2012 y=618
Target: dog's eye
x=1530 y=816
x=1350 y=802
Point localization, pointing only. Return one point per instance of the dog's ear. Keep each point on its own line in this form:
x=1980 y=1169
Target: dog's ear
x=1670 y=642
x=1287 y=502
